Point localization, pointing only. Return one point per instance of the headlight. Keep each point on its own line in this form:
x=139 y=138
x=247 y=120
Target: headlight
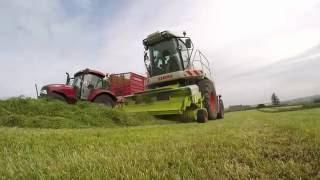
x=43 y=91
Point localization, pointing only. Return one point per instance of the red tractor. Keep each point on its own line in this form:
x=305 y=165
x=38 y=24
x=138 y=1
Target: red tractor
x=94 y=86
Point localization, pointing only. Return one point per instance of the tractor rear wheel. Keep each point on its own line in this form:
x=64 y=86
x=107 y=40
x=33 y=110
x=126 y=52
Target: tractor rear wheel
x=105 y=99
x=209 y=98
x=221 y=110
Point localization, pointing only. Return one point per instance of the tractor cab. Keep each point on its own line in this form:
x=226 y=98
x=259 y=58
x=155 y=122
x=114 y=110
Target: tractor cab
x=85 y=81
x=166 y=53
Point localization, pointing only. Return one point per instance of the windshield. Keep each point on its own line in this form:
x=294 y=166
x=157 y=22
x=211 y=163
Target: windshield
x=88 y=79
x=184 y=53
x=84 y=83
x=92 y=80
x=163 y=58
x=77 y=81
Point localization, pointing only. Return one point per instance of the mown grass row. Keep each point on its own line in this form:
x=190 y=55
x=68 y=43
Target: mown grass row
x=43 y=113
x=245 y=145
x=277 y=109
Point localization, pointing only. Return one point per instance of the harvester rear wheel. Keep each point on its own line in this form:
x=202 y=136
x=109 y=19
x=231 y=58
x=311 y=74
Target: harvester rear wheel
x=209 y=98
x=105 y=99
x=221 y=110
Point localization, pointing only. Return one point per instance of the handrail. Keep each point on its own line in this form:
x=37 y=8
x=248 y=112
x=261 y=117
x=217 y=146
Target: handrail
x=203 y=60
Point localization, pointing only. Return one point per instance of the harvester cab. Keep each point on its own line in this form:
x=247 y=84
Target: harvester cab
x=170 y=58
x=179 y=80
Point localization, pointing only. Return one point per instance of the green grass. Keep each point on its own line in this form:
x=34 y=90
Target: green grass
x=249 y=144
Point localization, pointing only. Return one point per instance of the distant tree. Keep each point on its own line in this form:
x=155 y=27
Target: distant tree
x=317 y=100
x=275 y=100
x=261 y=106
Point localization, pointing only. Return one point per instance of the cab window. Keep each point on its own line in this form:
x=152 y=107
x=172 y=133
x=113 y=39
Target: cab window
x=184 y=53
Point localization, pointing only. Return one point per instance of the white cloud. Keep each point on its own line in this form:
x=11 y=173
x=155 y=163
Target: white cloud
x=238 y=36
x=39 y=44
x=42 y=41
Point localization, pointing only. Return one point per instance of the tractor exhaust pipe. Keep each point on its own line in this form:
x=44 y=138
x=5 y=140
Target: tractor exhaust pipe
x=37 y=90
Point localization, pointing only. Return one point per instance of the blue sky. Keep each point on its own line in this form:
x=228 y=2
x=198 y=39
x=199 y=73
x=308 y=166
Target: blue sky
x=41 y=40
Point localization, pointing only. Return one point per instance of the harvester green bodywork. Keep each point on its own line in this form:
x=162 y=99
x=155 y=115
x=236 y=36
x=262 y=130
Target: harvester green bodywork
x=179 y=80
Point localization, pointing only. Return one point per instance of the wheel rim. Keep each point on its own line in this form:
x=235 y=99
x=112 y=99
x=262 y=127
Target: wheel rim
x=212 y=102
x=206 y=116
x=222 y=111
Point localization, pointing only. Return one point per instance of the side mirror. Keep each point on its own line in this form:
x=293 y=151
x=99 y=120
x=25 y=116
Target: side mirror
x=188 y=43
x=146 y=57
x=68 y=78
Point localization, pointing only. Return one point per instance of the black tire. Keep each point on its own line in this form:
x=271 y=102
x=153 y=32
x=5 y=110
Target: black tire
x=105 y=100
x=207 y=90
x=221 y=110
x=202 y=116
x=57 y=97
x=186 y=116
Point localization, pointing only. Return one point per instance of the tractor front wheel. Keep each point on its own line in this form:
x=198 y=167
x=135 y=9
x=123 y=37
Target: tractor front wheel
x=57 y=97
x=221 y=110
x=105 y=99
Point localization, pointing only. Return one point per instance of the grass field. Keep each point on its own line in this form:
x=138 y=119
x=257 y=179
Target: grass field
x=248 y=144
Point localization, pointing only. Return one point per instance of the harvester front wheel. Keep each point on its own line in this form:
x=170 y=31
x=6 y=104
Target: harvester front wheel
x=105 y=99
x=209 y=98
x=221 y=110
x=202 y=116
